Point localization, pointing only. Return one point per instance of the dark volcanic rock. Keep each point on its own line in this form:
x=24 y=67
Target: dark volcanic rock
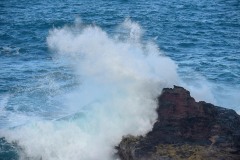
x=186 y=129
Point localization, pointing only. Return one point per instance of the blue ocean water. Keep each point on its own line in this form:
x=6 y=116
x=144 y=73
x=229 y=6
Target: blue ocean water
x=201 y=37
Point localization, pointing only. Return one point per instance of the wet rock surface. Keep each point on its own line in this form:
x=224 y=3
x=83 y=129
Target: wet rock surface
x=186 y=129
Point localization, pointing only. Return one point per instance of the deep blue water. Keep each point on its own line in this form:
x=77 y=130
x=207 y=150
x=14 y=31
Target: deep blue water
x=202 y=37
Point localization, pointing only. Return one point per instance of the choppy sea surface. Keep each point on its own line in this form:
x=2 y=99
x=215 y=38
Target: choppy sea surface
x=76 y=76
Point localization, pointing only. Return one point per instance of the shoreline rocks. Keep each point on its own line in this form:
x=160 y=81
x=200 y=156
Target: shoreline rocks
x=186 y=129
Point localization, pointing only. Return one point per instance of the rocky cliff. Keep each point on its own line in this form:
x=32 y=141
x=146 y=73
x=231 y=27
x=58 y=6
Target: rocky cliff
x=186 y=129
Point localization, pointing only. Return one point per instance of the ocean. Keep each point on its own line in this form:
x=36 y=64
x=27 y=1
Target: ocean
x=76 y=76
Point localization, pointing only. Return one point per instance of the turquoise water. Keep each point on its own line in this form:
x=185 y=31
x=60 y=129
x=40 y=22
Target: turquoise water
x=45 y=79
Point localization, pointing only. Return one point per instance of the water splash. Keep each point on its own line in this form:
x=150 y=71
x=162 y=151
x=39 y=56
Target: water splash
x=120 y=80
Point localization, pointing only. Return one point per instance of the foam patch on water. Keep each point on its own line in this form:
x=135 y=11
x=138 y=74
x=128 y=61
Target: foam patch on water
x=9 y=50
x=11 y=118
x=120 y=80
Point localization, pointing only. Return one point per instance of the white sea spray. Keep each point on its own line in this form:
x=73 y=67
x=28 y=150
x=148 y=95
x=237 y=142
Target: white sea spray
x=120 y=81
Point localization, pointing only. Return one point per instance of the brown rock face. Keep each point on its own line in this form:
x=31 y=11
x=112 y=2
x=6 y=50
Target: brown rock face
x=186 y=129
